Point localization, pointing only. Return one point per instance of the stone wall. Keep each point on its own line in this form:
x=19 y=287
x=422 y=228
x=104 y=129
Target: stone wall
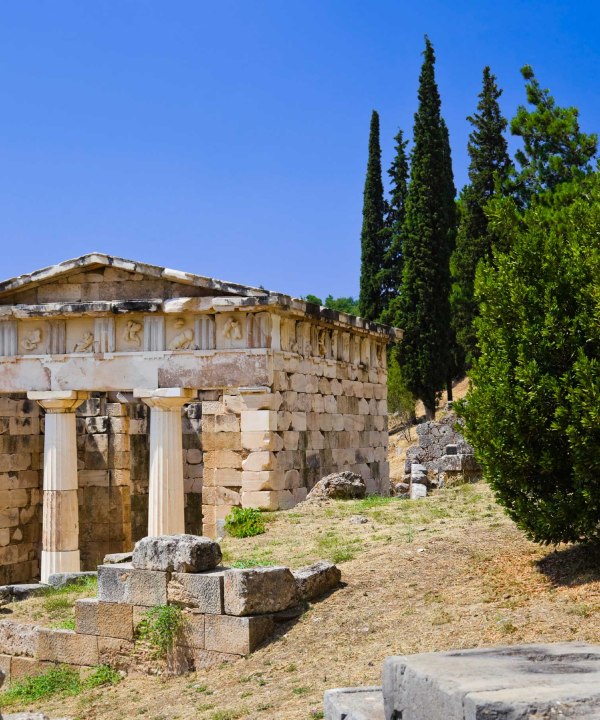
x=20 y=482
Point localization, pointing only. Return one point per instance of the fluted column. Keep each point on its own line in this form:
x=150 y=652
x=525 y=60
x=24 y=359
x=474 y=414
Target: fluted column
x=60 y=520
x=166 y=493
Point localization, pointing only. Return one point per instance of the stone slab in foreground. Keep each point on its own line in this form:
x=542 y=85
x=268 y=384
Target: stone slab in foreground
x=560 y=680
x=363 y=703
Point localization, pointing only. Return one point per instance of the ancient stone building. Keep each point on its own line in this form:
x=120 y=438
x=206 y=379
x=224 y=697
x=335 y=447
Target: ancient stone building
x=139 y=400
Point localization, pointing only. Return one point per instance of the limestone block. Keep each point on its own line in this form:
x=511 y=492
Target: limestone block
x=116 y=410
x=222 y=459
x=254 y=401
x=256 y=591
x=191 y=633
x=258 y=420
x=176 y=553
x=299 y=495
x=116 y=652
x=124 y=584
x=18 y=638
x=203 y=591
x=292 y=479
x=258 y=461
x=226 y=423
x=316 y=440
x=86 y=616
x=120 y=477
x=93 y=478
x=24 y=426
x=98 y=424
x=220 y=496
x=326 y=422
x=284 y=420
x=303 y=403
x=290 y=439
x=262 y=500
x=260 y=441
x=24 y=667
x=193 y=456
x=65 y=646
x=236 y=635
x=298 y=382
x=224 y=477
x=13 y=498
x=335 y=386
x=266 y=480
x=299 y=421
x=222 y=441
x=315 y=580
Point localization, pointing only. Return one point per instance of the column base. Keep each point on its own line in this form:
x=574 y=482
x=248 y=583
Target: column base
x=59 y=561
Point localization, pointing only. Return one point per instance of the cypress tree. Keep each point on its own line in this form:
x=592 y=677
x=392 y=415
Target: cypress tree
x=489 y=165
x=391 y=274
x=423 y=304
x=372 y=238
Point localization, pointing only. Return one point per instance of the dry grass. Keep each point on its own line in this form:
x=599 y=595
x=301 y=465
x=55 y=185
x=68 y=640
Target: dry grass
x=449 y=571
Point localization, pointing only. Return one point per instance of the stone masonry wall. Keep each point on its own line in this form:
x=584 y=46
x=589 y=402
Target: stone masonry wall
x=20 y=483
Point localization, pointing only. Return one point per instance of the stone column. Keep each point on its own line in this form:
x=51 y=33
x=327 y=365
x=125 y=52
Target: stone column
x=60 y=523
x=166 y=493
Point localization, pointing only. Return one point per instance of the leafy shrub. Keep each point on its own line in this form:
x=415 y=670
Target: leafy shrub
x=160 y=627
x=533 y=411
x=244 y=522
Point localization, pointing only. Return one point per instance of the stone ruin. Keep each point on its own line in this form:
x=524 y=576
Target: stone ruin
x=441 y=458
x=138 y=400
x=226 y=612
x=520 y=682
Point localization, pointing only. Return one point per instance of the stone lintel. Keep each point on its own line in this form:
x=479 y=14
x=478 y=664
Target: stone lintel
x=175 y=392
x=57 y=401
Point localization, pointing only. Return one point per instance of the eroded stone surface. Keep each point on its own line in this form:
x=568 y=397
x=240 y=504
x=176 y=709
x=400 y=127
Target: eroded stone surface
x=203 y=591
x=504 y=683
x=256 y=591
x=344 y=485
x=176 y=553
x=315 y=580
x=365 y=703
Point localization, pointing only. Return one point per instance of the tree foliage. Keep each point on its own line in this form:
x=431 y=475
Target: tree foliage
x=423 y=308
x=488 y=167
x=372 y=238
x=554 y=148
x=533 y=411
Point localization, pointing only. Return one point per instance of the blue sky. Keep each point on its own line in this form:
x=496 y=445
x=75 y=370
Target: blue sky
x=229 y=138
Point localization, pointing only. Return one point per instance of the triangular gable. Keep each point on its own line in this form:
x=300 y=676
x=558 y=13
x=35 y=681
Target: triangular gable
x=74 y=280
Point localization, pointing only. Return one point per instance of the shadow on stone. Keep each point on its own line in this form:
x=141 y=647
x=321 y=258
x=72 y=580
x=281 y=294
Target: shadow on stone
x=575 y=565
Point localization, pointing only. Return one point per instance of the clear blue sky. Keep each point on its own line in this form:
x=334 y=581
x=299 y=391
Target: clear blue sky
x=229 y=138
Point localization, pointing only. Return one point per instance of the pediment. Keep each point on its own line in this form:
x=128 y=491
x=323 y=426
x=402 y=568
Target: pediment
x=98 y=277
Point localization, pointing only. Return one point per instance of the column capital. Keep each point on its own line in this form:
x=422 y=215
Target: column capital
x=165 y=398
x=58 y=401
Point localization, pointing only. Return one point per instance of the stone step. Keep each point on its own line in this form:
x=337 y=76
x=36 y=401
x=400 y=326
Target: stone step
x=362 y=703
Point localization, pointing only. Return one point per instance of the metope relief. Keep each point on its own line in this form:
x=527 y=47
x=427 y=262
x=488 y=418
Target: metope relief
x=32 y=340
x=85 y=344
x=233 y=329
x=184 y=339
x=131 y=334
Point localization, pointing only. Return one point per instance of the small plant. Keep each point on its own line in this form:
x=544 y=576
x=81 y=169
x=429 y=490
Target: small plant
x=160 y=627
x=244 y=522
x=103 y=675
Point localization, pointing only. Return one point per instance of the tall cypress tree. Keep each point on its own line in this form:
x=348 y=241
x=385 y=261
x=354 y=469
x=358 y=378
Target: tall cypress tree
x=372 y=237
x=488 y=168
x=391 y=274
x=423 y=306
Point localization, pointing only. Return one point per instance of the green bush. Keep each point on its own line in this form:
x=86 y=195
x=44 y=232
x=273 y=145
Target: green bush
x=533 y=411
x=244 y=522
x=160 y=627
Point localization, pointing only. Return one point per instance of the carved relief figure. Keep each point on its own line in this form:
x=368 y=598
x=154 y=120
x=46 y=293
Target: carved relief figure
x=131 y=333
x=322 y=346
x=86 y=344
x=232 y=329
x=32 y=340
x=183 y=341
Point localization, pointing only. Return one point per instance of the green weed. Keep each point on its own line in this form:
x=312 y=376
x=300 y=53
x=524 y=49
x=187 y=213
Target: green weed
x=160 y=627
x=244 y=522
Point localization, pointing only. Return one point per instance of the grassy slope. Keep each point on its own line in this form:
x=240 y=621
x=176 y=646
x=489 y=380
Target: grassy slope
x=449 y=571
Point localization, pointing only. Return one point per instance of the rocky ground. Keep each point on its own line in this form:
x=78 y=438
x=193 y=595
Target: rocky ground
x=448 y=571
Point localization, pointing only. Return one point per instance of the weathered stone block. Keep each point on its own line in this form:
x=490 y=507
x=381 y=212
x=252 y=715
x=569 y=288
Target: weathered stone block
x=199 y=590
x=315 y=580
x=125 y=584
x=176 y=553
x=116 y=652
x=236 y=635
x=24 y=667
x=65 y=646
x=191 y=633
x=18 y=638
x=361 y=703
x=255 y=591
x=261 y=441
x=86 y=616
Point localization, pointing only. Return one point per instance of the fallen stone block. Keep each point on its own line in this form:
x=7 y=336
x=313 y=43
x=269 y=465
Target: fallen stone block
x=417 y=490
x=66 y=646
x=198 y=590
x=22 y=591
x=18 y=638
x=256 y=591
x=315 y=580
x=505 y=683
x=176 y=553
x=344 y=485
x=62 y=579
x=125 y=584
x=236 y=635
x=362 y=703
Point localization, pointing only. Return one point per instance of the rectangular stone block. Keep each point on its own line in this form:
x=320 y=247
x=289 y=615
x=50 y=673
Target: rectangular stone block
x=124 y=584
x=258 y=420
x=267 y=480
x=18 y=638
x=261 y=441
x=86 y=616
x=262 y=499
x=191 y=633
x=116 y=652
x=203 y=591
x=24 y=667
x=222 y=459
x=226 y=423
x=222 y=477
x=236 y=635
x=258 y=461
x=65 y=646
x=257 y=591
